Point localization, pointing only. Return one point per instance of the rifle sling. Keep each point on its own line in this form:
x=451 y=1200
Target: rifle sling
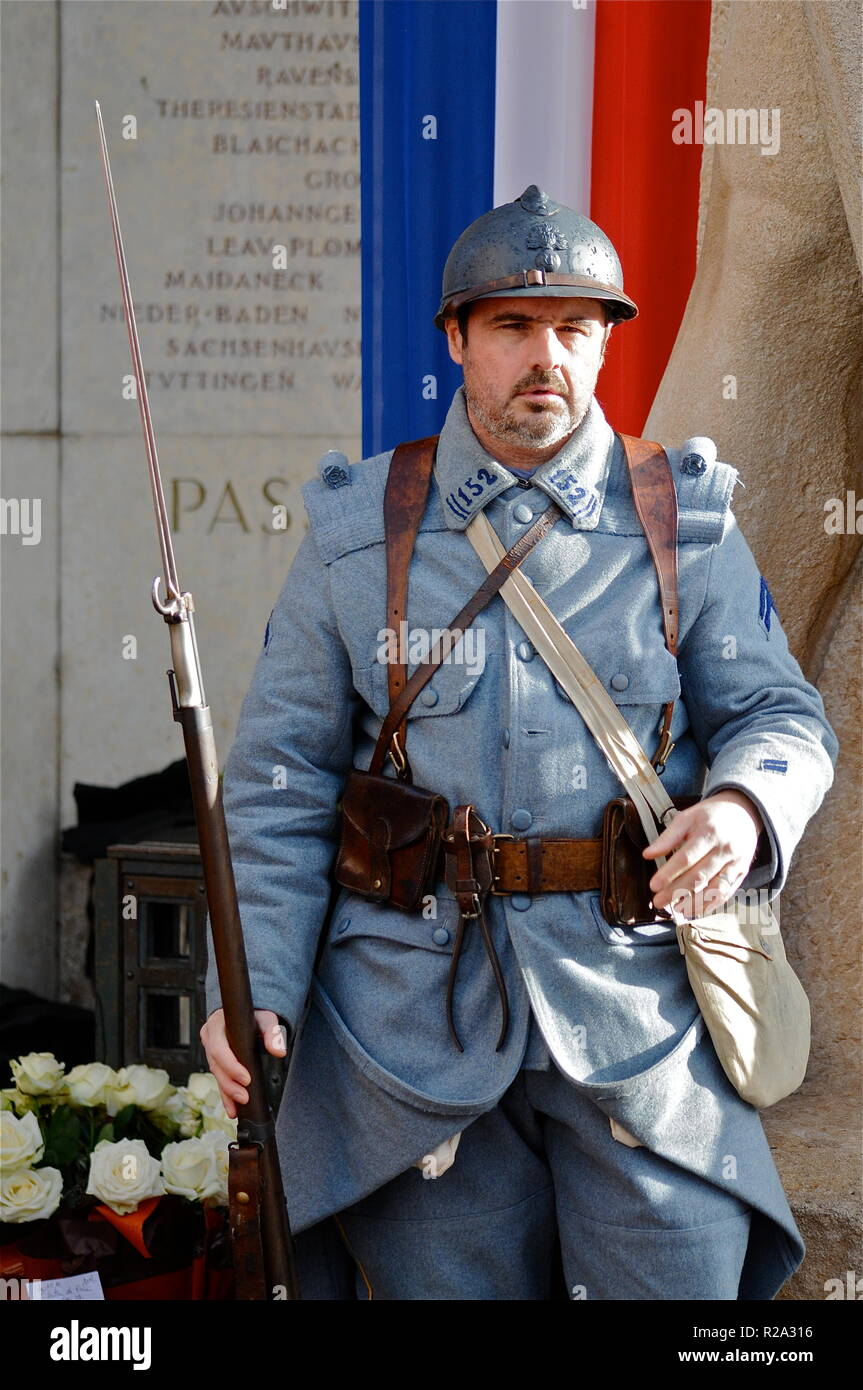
x=244 y=1211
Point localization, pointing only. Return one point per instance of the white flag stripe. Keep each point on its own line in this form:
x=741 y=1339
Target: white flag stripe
x=544 y=99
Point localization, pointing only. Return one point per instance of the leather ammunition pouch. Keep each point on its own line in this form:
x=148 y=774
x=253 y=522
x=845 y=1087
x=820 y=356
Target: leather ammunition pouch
x=391 y=836
x=625 y=895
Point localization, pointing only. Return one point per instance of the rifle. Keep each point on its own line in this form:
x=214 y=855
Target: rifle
x=264 y=1261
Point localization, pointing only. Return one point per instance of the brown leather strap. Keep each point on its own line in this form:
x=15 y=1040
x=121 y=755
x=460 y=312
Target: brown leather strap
x=655 y=498
x=547 y=866
x=534 y=862
x=523 y=278
x=244 y=1214
x=405 y=498
x=484 y=594
x=470 y=874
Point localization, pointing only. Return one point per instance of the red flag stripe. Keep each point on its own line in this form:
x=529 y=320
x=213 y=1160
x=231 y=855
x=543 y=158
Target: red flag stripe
x=650 y=59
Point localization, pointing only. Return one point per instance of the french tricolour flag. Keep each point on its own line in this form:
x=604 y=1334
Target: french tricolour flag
x=463 y=103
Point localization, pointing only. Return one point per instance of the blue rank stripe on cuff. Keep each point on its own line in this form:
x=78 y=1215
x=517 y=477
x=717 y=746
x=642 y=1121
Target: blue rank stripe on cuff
x=774 y=764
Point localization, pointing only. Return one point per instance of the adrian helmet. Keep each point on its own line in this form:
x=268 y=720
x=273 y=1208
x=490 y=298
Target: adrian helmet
x=534 y=246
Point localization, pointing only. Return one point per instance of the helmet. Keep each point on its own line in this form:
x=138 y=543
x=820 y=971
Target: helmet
x=534 y=246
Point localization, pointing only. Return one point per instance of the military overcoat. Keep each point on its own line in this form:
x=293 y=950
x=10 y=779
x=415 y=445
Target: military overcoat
x=376 y=1080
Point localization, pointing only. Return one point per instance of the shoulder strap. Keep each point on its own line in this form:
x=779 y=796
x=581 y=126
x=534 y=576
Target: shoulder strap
x=405 y=497
x=655 y=498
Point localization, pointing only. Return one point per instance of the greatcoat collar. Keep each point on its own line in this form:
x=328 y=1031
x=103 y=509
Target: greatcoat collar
x=468 y=477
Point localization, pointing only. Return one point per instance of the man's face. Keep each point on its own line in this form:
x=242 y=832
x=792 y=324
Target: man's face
x=530 y=365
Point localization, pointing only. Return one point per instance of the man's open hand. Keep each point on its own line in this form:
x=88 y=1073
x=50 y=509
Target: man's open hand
x=711 y=848
x=232 y=1076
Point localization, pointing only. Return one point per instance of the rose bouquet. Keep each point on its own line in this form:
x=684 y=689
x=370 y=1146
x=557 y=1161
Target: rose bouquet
x=119 y=1137
x=117 y=1171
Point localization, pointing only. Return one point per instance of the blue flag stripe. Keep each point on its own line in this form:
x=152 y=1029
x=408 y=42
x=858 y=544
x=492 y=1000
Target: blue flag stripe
x=427 y=101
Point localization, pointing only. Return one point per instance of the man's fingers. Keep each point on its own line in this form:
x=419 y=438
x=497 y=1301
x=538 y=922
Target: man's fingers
x=220 y=1056
x=274 y=1034
x=673 y=834
x=700 y=889
x=723 y=886
x=688 y=856
x=232 y=1077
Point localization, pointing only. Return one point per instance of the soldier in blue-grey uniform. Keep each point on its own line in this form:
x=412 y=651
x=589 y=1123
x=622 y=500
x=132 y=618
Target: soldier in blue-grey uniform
x=604 y=1121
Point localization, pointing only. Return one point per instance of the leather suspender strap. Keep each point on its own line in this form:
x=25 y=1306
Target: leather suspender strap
x=405 y=500
x=441 y=649
x=655 y=498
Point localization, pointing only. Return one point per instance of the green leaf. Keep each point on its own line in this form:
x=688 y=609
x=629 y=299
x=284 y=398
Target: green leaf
x=64 y=1123
x=60 y=1152
x=65 y=1138
x=106 y=1132
x=124 y=1121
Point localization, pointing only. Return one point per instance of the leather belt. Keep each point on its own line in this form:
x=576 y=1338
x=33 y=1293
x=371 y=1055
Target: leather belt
x=536 y=865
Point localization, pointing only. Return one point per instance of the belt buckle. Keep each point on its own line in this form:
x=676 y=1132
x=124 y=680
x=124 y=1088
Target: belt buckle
x=498 y=892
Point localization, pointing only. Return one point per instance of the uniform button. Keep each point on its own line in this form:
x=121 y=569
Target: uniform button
x=524 y=651
x=440 y=936
x=504 y=738
x=520 y=901
x=560 y=690
x=522 y=512
x=429 y=696
x=521 y=819
x=620 y=681
x=343 y=925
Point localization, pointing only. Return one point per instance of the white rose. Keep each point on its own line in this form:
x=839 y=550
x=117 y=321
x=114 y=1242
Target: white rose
x=190 y=1170
x=203 y=1090
x=123 y=1174
x=205 y=1097
x=220 y=1123
x=13 y=1099
x=21 y=1142
x=29 y=1194
x=177 y=1114
x=38 y=1074
x=89 y=1084
x=218 y=1142
x=146 y=1087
